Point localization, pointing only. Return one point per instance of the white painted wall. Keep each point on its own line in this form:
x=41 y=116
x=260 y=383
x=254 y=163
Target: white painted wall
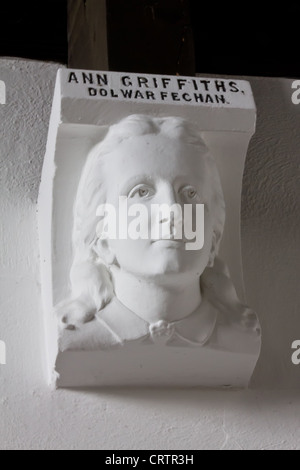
x=34 y=417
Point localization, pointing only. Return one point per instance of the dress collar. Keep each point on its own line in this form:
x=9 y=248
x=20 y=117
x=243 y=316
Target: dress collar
x=196 y=329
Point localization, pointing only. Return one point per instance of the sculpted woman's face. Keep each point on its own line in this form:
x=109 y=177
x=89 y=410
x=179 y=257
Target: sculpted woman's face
x=155 y=169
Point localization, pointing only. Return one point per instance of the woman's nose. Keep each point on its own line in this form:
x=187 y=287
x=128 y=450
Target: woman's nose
x=166 y=195
x=170 y=214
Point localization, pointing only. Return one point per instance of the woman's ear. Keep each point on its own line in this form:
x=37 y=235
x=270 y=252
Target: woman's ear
x=103 y=251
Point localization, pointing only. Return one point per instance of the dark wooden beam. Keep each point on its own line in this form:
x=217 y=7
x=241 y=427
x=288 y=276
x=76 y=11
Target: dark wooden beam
x=150 y=36
x=87 y=35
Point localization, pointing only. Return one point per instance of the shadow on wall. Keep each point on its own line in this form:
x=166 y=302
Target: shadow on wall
x=270 y=230
x=195 y=397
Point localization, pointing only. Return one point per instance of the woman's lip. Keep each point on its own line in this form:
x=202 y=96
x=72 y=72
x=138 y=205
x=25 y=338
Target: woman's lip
x=169 y=242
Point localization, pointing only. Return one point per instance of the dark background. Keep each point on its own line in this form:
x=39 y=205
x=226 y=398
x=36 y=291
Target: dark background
x=34 y=29
x=166 y=36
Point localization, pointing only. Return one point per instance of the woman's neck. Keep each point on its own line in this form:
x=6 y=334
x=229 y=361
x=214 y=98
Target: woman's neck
x=169 y=299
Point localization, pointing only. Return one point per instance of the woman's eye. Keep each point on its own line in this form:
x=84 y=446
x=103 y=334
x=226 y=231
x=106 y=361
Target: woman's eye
x=189 y=192
x=141 y=191
x=192 y=193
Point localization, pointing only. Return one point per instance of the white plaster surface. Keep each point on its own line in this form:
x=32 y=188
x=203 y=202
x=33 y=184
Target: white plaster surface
x=227 y=130
x=265 y=417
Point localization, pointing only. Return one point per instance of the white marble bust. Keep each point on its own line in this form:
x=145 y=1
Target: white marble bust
x=146 y=291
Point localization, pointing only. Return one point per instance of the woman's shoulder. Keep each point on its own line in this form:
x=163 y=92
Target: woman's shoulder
x=110 y=328
x=237 y=335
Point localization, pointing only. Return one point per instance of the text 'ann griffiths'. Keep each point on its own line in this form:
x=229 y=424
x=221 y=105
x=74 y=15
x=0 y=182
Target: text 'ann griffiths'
x=179 y=90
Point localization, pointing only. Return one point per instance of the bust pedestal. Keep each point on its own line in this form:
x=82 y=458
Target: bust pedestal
x=86 y=105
